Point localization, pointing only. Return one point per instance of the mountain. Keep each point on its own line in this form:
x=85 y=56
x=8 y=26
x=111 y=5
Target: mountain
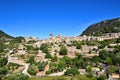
x=106 y=26
x=4 y=35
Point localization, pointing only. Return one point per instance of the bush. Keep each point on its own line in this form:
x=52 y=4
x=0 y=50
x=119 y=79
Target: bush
x=41 y=65
x=48 y=55
x=78 y=46
x=102 y=77
x=48 y=72
x=82 y=77
x=103 y=54
x=109 y=61
x=61 y=65
x=13 y=66
x=17 y=77
x=112 y=69
x=54 y=59
x=32 y=70
x=31 y=60
x=3 y=71
x=72 y=71
x=3 y=61
x=90 y=75
x=63 y=50
x=45 y=48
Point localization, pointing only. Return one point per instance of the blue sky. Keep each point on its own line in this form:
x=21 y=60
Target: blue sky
x=41 y=17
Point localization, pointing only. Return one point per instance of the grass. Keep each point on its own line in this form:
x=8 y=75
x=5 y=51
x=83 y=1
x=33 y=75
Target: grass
x=51 y=78
x=77 y=77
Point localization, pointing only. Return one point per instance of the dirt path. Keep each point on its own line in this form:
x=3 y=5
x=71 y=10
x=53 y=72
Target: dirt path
x=58 y=74
x=20 y=62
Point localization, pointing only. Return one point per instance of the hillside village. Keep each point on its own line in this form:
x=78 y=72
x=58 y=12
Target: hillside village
x=96 y=57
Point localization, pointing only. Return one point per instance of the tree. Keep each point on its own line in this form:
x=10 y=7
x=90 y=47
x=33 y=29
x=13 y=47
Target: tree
x=48 y=55
x=95 y=59
x=78 y=62
x=112 y=69
x=103 y=54
x=48 y=72
x=109 y=61
x=31 y=60
x=117 y=58
x=53 y=67
x=55 y=58
x=3 y=72
x=89 y=70
x=61 y=65
x=68 y=61
x=41 y=66
x=103 y=44
x=63 y=50
x=1 y=50
x=118 y=40
x=102 y=77
x=45 y=48
x=32 y=70
x=78 y=46
x=3 y=61
x=90 y=75
x=72 y=71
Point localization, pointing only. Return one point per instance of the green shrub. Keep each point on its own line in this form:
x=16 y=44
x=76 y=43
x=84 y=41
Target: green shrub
x=102 y=77
x=48 y=72
x=32 y=70
x=72 y=71
x=48 y=55
x=31 y=60
x=17 y=77
x=3 y=61
x=41 y=65
x=3 y=71
x=78 y=46
x=63 y=50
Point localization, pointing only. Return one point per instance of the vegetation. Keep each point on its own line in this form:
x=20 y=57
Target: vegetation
x=12 y=66
x=31 y=60
x=112 y=69
x=77 y=77
x=3 y=35
x=17 y=77
x=3 y=69
x=72 y=71
x=48 y=55
x=103 y=27
x=102 y=77
x=105 y=56
x=3 y=72
x=63 y=50
x=32 y=70
x=45 y=48
x=3 y=61
x=78 y=46
x=41 y=66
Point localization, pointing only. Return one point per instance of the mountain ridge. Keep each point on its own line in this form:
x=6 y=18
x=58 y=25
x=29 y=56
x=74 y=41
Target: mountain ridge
x=105 y=26
x=4 y=35
x=96 y=29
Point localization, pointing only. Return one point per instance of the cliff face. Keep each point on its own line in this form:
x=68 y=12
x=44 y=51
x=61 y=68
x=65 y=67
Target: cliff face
x=106 y=26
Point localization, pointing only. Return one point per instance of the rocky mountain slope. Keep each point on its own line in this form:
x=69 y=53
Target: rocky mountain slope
x=106 y=26
x=4 y=35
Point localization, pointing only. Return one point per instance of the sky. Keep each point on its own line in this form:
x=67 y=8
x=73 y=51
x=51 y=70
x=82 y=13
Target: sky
x=39 y=18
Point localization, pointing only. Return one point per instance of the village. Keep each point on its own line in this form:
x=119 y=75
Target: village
x=45 y=54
